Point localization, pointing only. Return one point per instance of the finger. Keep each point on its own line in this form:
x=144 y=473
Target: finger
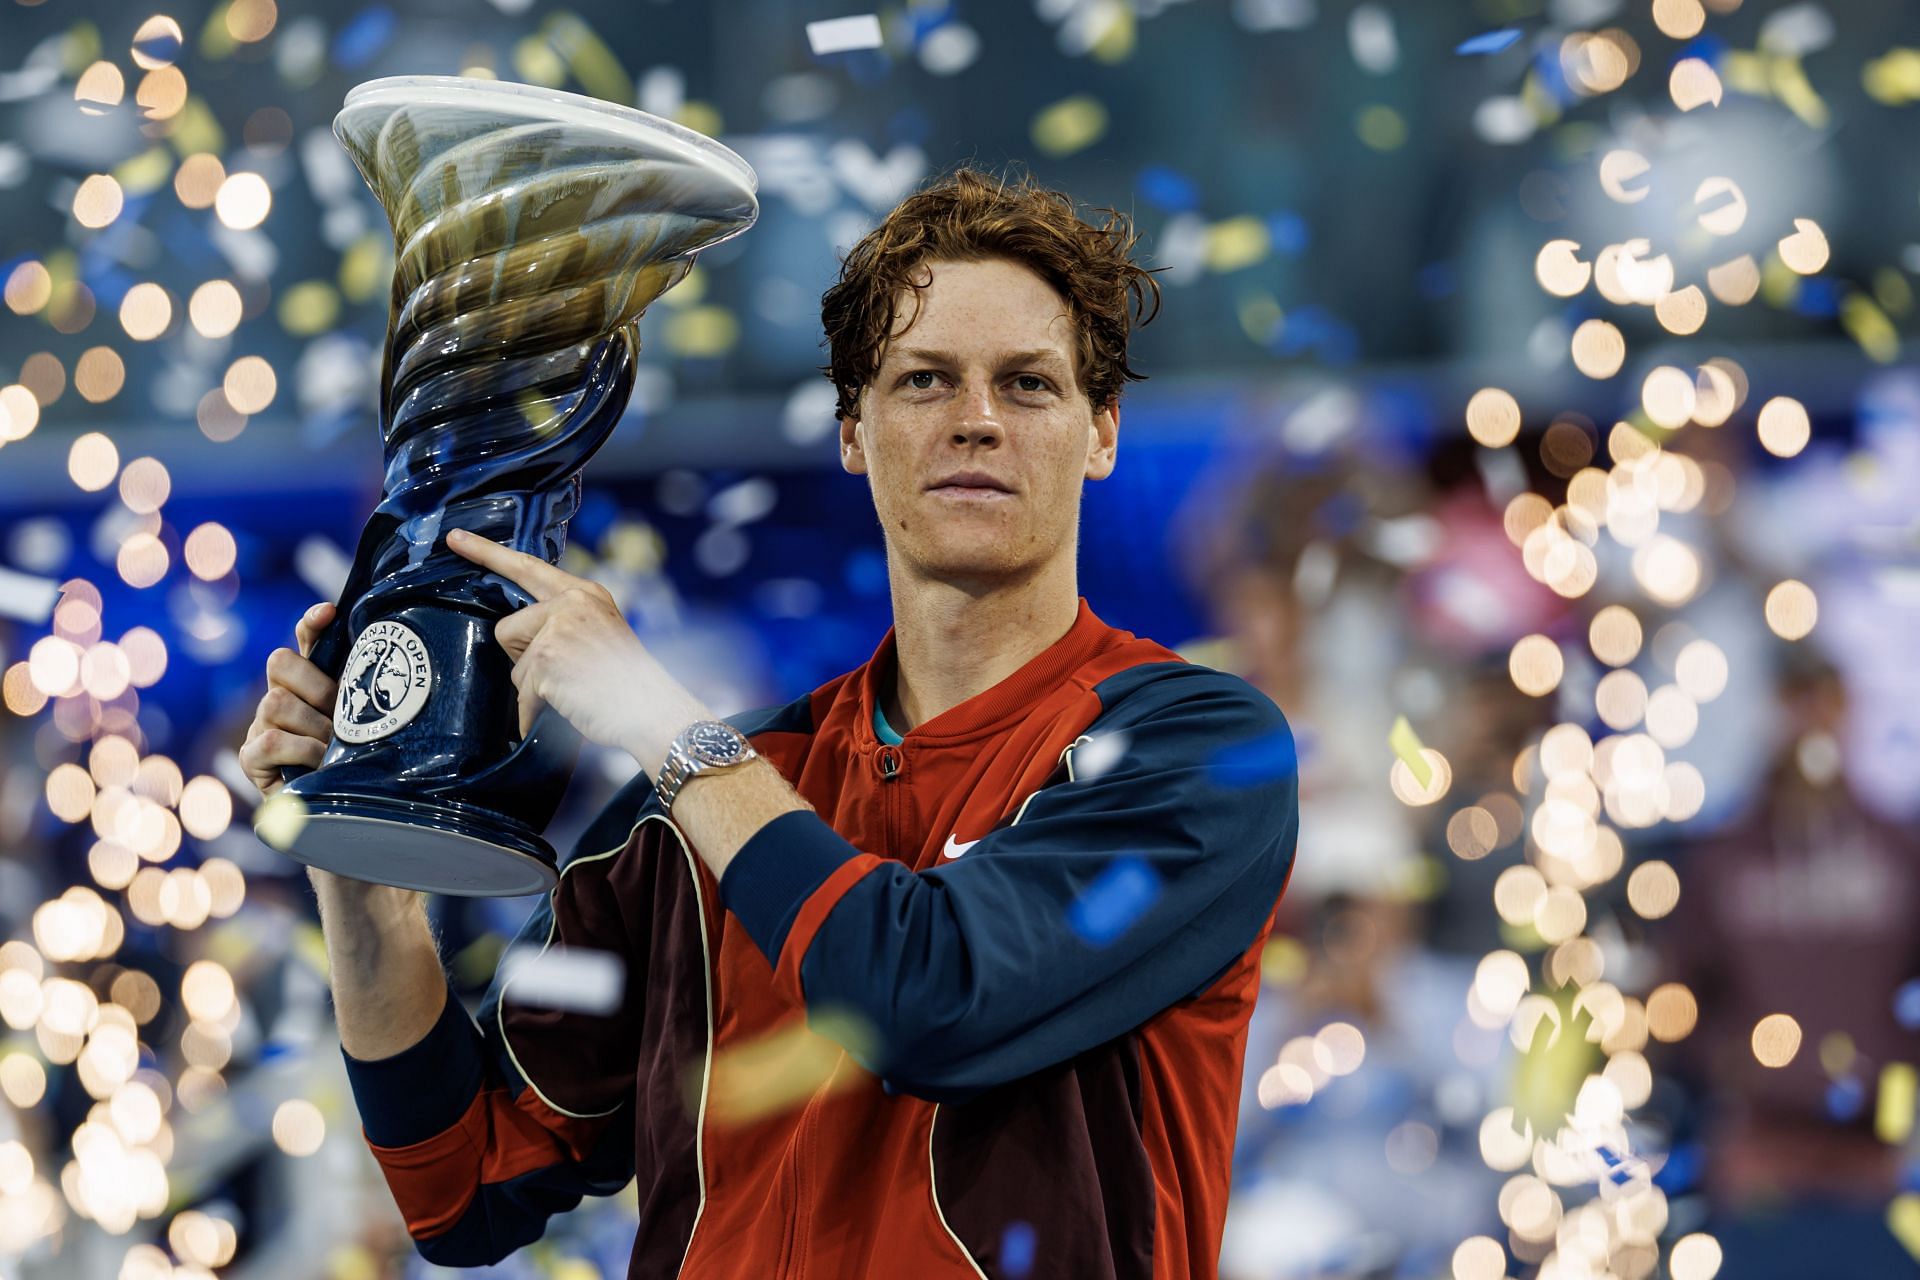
x=311 y=624
x=291 y=671
x=265 y=753
x=283 y=709
x=540 y=579
x=517 y=630
x=531 y=706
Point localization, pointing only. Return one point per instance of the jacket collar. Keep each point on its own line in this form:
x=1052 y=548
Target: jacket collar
x=1085 y=639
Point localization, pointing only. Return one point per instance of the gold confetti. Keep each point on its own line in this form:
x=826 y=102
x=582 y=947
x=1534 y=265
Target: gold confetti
x=1069 y=125
x=1893 y=1113
x=280 y=819
x=1406 y=745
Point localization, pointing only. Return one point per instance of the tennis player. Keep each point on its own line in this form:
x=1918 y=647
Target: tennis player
x=941 y=970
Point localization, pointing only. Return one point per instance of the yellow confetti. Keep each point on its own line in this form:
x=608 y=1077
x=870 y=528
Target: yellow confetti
x=593 y=64
x=1903 y=1219
x=1894 y=78
x=1381 y=127
x=1789 y=83
x=145 y=172
x=1893 y=1117
x=1868 y=325
x=702 y=331
x=309 y=307
x=1407 y=745
x=194 y=130
x=1283 y=961
x=1069 y=125
x=1236 y=243
x=777 y=1070
x=280 y=819
x=366 y=266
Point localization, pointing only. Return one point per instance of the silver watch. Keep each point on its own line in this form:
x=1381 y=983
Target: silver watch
x=703 y=746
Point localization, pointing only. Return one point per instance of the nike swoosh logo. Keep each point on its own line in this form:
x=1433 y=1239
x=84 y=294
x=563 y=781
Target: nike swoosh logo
x=955 y=847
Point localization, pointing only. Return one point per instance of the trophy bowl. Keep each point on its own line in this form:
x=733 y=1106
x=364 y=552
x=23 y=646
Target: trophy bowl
x=531 y=229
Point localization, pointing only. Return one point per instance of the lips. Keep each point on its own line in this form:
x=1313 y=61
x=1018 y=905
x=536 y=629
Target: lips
x=971 y=480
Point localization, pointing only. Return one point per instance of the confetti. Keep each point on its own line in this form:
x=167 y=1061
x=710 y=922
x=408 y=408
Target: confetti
x=1488 y=42
x=1407 y=746
x=1893 y=1113
x=575 y=979
x=1117 y=897
x=839 y=35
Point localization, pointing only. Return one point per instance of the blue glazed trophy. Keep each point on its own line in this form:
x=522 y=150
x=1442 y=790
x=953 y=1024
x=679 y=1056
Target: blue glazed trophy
x=531 y=229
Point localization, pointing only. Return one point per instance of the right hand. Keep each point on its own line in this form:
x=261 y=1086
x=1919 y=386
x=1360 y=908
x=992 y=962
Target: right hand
x=294 y=722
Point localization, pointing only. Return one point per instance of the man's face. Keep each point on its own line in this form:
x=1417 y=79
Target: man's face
x=981 y=378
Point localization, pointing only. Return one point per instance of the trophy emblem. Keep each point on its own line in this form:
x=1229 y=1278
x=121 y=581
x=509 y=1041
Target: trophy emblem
x=532 y=228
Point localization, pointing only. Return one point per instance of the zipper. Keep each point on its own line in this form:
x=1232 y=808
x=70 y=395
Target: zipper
x=891 y=762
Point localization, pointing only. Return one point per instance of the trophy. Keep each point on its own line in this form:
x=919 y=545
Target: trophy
x=531 y=230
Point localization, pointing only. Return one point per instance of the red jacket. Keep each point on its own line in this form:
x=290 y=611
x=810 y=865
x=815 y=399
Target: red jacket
x=1041 y=974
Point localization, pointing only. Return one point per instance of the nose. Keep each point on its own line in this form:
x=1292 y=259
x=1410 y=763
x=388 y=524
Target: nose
x=978 y=422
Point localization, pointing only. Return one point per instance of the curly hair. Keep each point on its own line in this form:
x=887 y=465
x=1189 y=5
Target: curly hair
x=969 y=216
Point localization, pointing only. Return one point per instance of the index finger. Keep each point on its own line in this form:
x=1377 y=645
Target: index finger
x=540 y=580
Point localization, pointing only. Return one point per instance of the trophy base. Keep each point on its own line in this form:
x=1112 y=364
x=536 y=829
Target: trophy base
x=422 y=844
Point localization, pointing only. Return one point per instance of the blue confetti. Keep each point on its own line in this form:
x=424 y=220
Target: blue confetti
x=1817 y=297
x=364 y=36
x=1846 y=1098
x=865 y=572
x=1118 y=896
x=1288 y=232
x=1906 y=1005
x=1168 y=188
x=1252 y=763
x=1016 y=1249
x=1489 y=41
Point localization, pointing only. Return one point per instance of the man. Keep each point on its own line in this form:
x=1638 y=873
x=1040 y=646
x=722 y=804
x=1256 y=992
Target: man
x=1037 y=965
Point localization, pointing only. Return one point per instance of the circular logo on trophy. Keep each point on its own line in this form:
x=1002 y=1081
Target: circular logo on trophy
x=384 y=684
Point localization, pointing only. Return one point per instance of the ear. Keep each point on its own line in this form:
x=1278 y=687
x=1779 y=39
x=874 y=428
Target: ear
x=1103 y=441
x=853 y=452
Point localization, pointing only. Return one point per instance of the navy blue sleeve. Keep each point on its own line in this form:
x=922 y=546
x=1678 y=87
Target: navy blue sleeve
x=1108 y=900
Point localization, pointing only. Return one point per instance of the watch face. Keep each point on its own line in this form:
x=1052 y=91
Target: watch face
x=714 y=743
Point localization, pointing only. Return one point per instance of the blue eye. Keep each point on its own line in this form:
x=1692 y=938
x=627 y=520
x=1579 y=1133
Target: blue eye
x=923 y=373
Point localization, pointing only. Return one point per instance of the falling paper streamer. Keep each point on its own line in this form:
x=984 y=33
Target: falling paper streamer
x=1488 y=42
x=1016 y=1250
x=575 y=979
x=1118 y=897
x=1257 y=761
x=1096 y=754
x=839 y=35
x=26 y=598
x=1893 y=1117
x=1407 y=745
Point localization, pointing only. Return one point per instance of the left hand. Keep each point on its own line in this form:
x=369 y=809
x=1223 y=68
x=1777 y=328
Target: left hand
x=572 y=650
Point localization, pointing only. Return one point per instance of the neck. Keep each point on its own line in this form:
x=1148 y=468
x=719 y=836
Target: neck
x=954 y=640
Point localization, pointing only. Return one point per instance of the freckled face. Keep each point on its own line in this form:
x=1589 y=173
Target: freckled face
x=981 y=378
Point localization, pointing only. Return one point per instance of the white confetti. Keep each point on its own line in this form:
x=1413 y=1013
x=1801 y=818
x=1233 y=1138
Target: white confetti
x=575 y=979
x=837 y=35
x=1096 y=754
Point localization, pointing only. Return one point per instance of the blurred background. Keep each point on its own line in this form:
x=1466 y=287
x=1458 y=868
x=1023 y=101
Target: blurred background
x=1530 y=417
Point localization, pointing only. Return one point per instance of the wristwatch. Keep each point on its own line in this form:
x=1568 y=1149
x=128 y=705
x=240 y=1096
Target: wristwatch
x=702 y=747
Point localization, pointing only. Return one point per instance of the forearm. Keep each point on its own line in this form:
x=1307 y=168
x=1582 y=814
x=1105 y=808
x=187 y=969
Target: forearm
x=720 y=812
x=388 y=984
